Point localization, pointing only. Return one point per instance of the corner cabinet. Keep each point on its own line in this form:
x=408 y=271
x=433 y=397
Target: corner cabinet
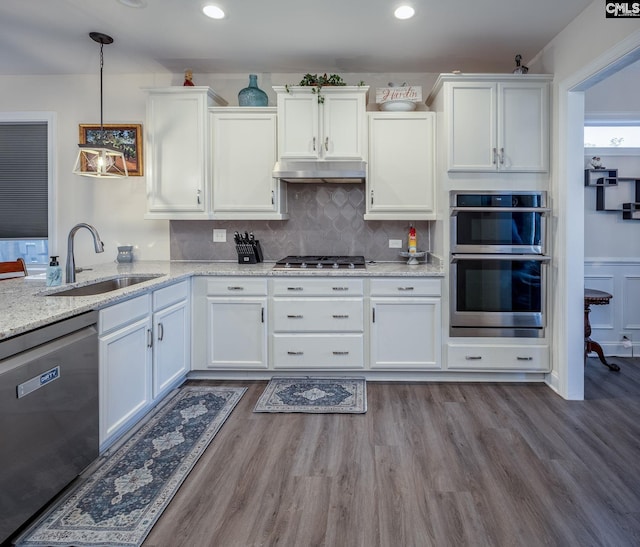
x=401 y=177
x=495 y=122
x=244 y=152
x=177 y=149
x=322 y=124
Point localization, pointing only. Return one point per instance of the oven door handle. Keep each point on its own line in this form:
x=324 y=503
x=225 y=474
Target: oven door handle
x=541 y=210
x=537 y=258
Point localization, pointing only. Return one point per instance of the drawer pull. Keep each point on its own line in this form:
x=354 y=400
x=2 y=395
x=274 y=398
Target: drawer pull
x=473 y=357
x=340 y=288
x=340 y=316
x=405 y=288
x=295 y=288
x=519 y=358
x=341 y=353
x=294 y=316
x=235 y=288
x=295 y=353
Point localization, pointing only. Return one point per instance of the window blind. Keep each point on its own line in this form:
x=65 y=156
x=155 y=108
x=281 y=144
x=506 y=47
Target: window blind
x=23 y=180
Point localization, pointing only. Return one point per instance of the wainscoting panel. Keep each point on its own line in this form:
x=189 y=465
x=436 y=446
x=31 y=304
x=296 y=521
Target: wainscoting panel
x=609 y=323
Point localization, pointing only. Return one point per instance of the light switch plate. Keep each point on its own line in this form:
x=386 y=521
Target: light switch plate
x=395 y=244
x=219 y=235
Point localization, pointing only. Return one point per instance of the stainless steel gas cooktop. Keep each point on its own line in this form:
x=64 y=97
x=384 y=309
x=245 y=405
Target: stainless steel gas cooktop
x=320 y=262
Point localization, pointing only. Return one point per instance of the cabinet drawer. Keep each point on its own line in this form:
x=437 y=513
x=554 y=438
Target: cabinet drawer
x=337 y=286
x=237 y=286
x=406 y=286
x=124 y=313
x=170 y=295
x=318 y=315
x=498 y=358
x=329 y=351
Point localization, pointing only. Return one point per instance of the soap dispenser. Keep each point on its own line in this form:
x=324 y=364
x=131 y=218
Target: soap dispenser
x=54 y=273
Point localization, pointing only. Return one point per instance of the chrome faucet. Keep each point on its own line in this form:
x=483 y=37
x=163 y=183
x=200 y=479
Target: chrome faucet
x=71 y=263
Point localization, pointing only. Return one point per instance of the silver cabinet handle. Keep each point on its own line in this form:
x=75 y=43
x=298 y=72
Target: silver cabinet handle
x=495 y=153
x=340 y=288
x=340 y=353
x=273 y=197
x=340 y=316
x=149 y=338
x=238 y=288
x=371 y=196
x=501 y=156
x=198 y=197
x=295 y=353
x=314 y=144
x=160 y=331
x=519 y=358
x=326 y=144
x=473 y=357
x=405 y=288
x=295 y=288
x=294 y=316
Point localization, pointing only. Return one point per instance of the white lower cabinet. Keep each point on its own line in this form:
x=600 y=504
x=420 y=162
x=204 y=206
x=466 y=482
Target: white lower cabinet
x=230 y=323
x=144 y=352
x=405 y=328
x=125 y=365
x=498 y=357
x=317 y=324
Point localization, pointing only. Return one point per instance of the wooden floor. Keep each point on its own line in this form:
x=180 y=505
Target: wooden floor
x=428 y=464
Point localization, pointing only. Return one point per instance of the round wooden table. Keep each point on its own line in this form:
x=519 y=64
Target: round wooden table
x=594 y=297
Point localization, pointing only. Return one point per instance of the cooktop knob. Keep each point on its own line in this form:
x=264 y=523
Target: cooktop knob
x=319 y=265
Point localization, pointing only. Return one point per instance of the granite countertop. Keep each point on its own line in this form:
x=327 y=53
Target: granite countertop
x=26 y=306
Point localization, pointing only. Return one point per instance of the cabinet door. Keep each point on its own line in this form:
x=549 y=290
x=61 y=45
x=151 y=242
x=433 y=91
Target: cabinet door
x=523 y=127
x=405 y=333
x=343 y=126
x=237 y=333
x=298 y=117
x=401 y=166
x=125 y=377
x=244 y=153
x=171 y=351
x=472 y=126
x=176 y=150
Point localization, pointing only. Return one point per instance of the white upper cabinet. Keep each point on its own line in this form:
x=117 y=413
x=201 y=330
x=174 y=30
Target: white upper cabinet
x=244 y=152
x=329 y=124
x=496 y=123
x=401 y=178
x=177 y=147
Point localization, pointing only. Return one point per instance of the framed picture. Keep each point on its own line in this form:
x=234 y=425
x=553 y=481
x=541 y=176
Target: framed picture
x=127 y=138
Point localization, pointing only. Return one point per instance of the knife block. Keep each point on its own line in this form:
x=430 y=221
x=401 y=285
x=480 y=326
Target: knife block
x=249 y=253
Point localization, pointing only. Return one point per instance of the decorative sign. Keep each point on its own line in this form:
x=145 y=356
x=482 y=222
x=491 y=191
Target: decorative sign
x=405 y=93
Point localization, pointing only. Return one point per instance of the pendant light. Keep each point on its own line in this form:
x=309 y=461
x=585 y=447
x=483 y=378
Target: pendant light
x=99 y=159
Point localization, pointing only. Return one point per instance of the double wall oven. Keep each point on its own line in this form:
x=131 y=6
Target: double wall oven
x=499 y=264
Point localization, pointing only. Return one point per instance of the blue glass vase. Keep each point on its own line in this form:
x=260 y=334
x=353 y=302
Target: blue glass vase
x=252 y=95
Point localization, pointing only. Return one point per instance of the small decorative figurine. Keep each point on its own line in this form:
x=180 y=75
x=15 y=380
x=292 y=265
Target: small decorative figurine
x=596 y=163
x=520 y=69
x=188 y=77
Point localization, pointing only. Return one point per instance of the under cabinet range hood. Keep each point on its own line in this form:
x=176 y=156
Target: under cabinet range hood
x=320 y=171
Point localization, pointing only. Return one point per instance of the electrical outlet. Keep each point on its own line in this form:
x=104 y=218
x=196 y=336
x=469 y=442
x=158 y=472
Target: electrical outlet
x=219 y=236
x=395 y=244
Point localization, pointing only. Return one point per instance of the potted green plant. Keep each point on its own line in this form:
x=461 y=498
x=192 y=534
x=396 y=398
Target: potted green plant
x=318 y=82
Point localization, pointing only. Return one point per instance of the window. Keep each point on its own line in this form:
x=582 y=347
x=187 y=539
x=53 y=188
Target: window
x=612 y=136
x=25 y=188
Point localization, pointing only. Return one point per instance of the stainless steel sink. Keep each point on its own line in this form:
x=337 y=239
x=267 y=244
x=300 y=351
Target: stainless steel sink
x=104 y=286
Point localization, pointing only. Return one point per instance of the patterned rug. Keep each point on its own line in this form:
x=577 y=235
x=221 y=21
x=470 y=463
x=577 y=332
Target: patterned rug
x=314 y=395
x=123 y=498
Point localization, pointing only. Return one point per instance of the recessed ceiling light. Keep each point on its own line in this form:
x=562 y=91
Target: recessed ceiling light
x=134 y=3
x=404 y=12
x=213 y=11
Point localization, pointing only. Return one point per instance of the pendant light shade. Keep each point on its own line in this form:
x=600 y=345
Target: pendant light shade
x=99 y=159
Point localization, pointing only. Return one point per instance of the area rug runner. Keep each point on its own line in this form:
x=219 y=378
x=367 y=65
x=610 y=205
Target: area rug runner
x=314 y=395
x=123 y=498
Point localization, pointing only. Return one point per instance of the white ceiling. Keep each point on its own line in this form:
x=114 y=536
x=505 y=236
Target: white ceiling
x=51 y=36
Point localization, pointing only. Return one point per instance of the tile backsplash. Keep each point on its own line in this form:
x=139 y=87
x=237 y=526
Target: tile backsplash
x=324 y=219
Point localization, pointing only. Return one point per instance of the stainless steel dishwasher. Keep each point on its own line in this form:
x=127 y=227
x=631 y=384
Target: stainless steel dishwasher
x=48 y=414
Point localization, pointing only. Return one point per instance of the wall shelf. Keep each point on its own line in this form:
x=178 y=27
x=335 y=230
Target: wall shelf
x=613 y=193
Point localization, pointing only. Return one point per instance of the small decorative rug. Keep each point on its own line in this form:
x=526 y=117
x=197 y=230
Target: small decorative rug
x=123 y=498
x=314 y=395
